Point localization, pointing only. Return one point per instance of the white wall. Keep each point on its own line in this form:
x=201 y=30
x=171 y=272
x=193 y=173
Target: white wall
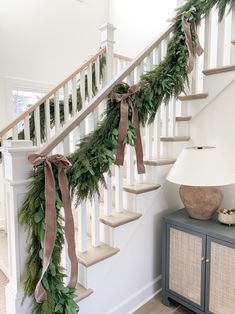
x=45 y=40
x=214 y=126
x=139 y=22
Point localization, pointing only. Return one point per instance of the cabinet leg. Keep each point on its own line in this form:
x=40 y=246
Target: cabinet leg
x=165 y=300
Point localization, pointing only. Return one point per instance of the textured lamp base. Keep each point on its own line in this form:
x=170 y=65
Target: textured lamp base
x=201 y=202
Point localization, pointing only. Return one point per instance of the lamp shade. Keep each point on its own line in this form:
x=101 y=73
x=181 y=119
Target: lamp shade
x=202 y=166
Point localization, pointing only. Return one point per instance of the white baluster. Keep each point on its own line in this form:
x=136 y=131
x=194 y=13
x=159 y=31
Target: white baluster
x=220 y=43
x=108 y=195
x=95 y=222
x=149 y=62
x=166 y=119
x=207 y=41
x=173 y=117
x=37 y=126
x=139 y=71
x=47 y=119
x=149 y=127
x=165 y=43
x=82 y=87
x=130 y=151
x=66 y=141
x=149 y=141
x=81 y=128
x=97 y=73
x=89 y=81
x=118 y=189
x=157 y=134
x=115 y=66
x=74 y=95
x=97 y=82
x=82 y=227
x=232 y=49
x=158 y=54
x=15 y=132
x=57 y=111
x=26 y=128
x=66 y=102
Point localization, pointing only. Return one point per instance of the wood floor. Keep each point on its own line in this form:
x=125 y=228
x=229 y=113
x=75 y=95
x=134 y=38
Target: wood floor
x=3 y=282
x=155 y=306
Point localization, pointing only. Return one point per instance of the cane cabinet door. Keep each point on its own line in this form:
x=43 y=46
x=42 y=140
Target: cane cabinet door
x=221 y=277
x=186 y=269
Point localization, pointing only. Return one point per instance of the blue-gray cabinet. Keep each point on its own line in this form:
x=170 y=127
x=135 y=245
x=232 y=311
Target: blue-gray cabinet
x=198 y=264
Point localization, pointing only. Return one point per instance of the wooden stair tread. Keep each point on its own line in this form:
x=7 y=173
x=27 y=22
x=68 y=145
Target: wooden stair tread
x=95 y=255
x=218 y=70
x=184 y=118
x=119 y=219
x=82 y=292
x=160 y=162
x=175 y=138
x=193 y=96
x=140 y=188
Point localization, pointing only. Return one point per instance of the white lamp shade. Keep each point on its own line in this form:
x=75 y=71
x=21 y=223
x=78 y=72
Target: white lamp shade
x=202 y=166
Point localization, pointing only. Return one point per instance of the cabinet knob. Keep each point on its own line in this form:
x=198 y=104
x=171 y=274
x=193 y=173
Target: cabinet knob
x=207 y=260
x=203 y=259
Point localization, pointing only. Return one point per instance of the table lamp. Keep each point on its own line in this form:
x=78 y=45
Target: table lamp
x=200 y=171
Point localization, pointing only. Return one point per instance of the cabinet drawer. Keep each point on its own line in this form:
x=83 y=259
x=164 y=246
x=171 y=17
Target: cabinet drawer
x=186 y=267
x=221 y=277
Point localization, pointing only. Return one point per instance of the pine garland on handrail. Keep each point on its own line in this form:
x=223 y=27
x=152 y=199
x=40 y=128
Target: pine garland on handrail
x=96 y=153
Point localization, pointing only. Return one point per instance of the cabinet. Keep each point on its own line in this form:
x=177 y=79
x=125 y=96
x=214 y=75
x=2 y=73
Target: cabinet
x=198 y=264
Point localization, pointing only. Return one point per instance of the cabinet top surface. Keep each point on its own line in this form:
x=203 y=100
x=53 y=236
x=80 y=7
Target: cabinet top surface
x=208 y=227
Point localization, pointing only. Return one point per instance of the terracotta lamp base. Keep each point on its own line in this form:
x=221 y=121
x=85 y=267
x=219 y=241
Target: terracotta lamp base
x=201 y=202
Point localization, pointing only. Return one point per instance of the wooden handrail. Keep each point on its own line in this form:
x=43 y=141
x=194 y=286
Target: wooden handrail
x=81 y=115
x=121 y=57
x=51 y=93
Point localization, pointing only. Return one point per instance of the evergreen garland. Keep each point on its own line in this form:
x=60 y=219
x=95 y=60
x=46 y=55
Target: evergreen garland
x=96 y=153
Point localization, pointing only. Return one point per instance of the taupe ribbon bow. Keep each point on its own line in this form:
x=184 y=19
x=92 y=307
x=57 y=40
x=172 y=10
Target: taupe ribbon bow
x=50 y=212
x=188 y=41
x=126 y=100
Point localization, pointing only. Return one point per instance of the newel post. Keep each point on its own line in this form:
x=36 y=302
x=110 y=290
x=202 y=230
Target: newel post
x=16 y=172
x=107 y=40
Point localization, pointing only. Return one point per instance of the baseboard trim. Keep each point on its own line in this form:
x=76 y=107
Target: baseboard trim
x=140 y=297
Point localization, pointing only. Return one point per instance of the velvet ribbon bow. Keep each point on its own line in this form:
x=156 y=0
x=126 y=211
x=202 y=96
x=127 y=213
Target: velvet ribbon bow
x=188 y=41
x=51 y=216
x=125 y=100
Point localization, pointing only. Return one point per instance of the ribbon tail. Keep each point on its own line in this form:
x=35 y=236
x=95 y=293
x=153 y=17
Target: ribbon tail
x=139 y=153
x=199 y=49
x=69 y=227
x=188 y=42
x=122 y=131
x=50 y=233
x=120 y=155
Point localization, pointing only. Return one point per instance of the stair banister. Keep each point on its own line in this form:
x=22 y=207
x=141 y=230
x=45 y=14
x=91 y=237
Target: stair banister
x=92 y=105
x=25 y=114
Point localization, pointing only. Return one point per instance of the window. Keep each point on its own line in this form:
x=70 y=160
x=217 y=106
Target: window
x=23 y=99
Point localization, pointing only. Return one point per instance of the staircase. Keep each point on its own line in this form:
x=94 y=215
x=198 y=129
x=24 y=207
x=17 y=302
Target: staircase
x=119 y=235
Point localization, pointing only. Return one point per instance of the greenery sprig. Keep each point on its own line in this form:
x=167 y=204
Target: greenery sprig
x=96 y=153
